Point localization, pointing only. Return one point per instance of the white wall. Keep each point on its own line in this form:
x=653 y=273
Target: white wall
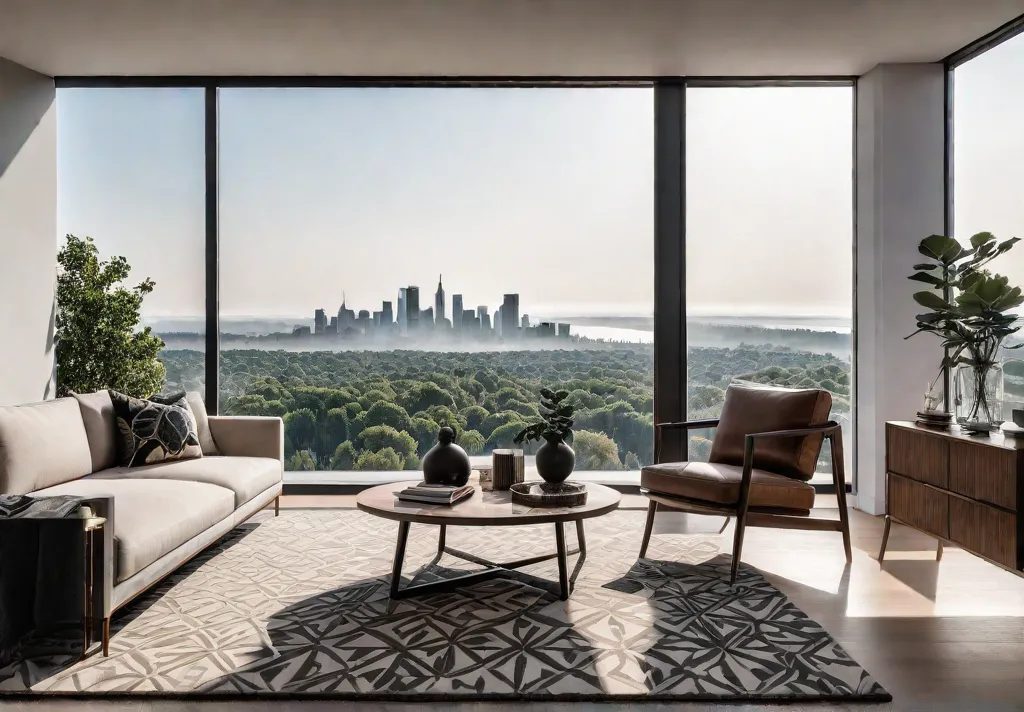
x=28 y=232
x=900 y=201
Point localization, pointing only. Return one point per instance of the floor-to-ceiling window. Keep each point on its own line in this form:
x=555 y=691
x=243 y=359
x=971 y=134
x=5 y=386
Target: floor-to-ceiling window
x=988 y=169
x=769 y=245
x=396 y=259
x=130 y=170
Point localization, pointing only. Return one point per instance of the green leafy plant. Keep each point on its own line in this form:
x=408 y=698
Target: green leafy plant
x=555 y=424
x=968 y=306
x=99 y=344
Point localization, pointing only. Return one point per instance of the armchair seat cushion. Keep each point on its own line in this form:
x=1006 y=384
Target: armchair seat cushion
x=720 y=484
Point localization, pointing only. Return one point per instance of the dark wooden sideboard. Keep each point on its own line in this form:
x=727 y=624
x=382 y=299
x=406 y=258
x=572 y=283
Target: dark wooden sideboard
x=962 y=489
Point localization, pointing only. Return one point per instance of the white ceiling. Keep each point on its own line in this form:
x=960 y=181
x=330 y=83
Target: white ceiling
x=488 y=37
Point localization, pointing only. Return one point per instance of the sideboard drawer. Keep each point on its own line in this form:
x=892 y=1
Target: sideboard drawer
x=920 y=456
x=918 y=505
x=985 y=473
x=986 y=530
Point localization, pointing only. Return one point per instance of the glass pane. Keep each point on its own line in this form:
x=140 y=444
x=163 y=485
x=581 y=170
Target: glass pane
x=769 y=240
x=131 y=175
x=988 y=160
x=393 y=259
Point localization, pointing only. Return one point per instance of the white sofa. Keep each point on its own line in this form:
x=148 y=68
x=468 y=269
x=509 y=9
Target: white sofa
x=158 y=516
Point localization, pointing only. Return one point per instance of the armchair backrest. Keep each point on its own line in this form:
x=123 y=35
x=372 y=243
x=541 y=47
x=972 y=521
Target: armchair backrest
x=758 y=409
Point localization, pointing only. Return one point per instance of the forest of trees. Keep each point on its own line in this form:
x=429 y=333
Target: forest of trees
x=365 y=410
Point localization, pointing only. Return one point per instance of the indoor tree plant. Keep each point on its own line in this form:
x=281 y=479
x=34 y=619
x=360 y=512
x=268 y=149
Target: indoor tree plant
x=98 y=342
x=968 y=308
x=555 y=459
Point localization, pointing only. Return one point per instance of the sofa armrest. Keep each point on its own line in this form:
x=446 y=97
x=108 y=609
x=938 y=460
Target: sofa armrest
x=248 y=436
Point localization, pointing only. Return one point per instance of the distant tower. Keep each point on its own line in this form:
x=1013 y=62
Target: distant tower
x=403 y=315
x=412 y=308
x=526 y=322
x=439 y=302
x=457 y=311
x=387 y=316
x=427 y=317
x=320 y=322
x=346 y=317
x=510 y=316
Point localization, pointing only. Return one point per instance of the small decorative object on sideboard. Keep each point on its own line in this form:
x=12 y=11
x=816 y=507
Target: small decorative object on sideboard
x=1016 y=428
x=446 y=463
x=555 y=459
x=508 y=467
x=973 y=323
x=545 y=494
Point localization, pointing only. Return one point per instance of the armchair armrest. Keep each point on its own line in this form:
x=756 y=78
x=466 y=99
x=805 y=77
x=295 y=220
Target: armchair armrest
x=690 y=424
x=248 y=436
x=828 y=429
x=687 y=425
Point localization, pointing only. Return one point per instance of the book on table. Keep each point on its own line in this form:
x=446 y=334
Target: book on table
x=424 y=493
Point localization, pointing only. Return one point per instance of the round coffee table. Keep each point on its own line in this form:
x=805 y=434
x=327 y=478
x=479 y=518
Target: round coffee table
x=484 y=509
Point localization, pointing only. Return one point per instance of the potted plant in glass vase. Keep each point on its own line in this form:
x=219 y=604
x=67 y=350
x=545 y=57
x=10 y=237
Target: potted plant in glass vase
x=968 y=308
x=555 y=459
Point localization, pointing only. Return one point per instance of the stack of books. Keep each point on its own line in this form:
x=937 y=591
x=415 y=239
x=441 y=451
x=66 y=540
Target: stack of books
x=435 y=494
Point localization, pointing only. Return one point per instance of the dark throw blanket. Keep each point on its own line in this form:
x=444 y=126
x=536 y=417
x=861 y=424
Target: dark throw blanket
x=42 y=565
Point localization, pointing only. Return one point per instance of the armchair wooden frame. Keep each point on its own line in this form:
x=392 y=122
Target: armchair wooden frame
x=747 y=516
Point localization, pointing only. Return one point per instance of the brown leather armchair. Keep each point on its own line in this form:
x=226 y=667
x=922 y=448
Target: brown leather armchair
x=764 y=451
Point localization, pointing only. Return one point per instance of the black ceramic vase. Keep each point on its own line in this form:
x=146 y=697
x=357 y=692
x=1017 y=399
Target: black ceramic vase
x=446 y=463
x=555 y=461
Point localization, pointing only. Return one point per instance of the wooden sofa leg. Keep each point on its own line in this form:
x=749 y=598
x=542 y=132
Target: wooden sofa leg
x=277 y=505
x=652 y=509
x=106 y=637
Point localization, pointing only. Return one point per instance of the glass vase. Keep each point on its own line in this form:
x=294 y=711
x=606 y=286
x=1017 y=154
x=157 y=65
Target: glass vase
x=978 y=397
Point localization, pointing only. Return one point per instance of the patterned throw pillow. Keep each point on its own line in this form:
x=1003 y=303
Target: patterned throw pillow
x=156 y=430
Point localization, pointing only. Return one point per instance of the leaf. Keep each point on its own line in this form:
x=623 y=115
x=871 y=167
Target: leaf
x=931 y=300
x=927 y=279
x=981 y=238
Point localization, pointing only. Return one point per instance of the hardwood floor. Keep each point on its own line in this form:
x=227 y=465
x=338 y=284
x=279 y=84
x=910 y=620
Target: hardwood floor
x=940 y=636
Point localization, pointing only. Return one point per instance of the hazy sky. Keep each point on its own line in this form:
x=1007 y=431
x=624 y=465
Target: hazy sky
x=988 y=158
x=545 y=192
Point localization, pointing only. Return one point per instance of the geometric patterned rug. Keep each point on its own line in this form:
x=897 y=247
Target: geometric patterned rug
x=298 y=606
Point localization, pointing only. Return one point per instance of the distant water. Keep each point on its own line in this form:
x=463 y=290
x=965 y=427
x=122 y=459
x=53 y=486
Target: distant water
x=638 y=336
x=612 y=333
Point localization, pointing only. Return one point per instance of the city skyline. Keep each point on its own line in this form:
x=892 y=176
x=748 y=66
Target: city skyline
x=411 y=319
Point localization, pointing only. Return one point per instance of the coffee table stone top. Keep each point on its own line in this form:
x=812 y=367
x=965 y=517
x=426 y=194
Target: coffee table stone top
x=482 y=509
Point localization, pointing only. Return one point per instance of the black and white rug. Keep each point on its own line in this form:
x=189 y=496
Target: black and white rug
x=298 y=605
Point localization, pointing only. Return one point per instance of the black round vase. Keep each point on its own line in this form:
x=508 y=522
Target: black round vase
x=555 y=461
x=446 y=463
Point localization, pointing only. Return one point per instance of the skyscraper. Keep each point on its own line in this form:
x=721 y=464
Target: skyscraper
x=403 y=320
x=320 y=322
x=439 y=302
x=346 y=317
x=510 y=316
x=427 y=317
x=457 y=311
x=526 y=322
x=387 y=316
x=497 y=320
x=412 y=308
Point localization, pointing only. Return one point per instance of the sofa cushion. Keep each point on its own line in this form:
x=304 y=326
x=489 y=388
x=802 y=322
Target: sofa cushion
x=152 y=516
x=155 y=430
x=198 y=406
x=720 y=484
x=246 y=477
x=42 y=444
x=100 y=428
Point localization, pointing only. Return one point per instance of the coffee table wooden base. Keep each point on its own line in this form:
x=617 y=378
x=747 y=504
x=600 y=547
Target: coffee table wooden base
x=564 y=587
